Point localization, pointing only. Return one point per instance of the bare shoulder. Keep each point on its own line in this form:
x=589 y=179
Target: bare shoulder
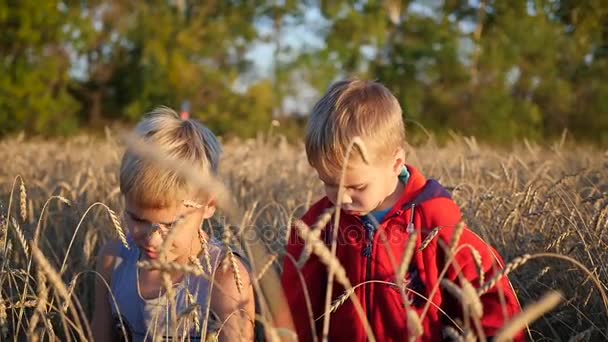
x=107 y=256
x=233 y=301
x=233 y=277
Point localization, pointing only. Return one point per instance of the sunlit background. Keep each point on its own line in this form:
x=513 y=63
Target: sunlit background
x=498 y=70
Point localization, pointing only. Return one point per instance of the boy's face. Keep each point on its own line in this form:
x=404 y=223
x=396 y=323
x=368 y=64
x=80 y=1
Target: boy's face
x=367 y=187
x=150 y=227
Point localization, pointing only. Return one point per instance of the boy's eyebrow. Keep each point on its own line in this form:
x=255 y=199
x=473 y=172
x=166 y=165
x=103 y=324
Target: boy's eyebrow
x=135 y=216
x=345 y=185
x=141 y=219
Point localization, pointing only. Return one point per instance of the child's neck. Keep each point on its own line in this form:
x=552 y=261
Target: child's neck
x=393 y=197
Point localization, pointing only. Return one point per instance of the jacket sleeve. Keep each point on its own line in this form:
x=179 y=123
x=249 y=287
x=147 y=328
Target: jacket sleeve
x=477 y=262
x=309 y=281
x=500 y=302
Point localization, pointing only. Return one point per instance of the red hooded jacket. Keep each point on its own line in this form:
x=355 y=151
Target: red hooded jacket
x=426 y=205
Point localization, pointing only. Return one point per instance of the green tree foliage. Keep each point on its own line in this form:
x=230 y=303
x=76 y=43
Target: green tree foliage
x=495 y=69
x=34 y=69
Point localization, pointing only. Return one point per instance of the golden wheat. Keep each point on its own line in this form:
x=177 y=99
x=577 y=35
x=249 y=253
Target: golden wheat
x=522 y=200
x=530 y=314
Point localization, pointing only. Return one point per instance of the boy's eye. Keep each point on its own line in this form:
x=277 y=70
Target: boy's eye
x=361 y=187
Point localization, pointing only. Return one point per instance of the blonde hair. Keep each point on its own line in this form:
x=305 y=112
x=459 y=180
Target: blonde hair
x=352 y=108
x=151 y=185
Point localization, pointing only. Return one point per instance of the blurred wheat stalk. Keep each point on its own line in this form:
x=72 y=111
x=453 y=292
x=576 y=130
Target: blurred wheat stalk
x=549 y=204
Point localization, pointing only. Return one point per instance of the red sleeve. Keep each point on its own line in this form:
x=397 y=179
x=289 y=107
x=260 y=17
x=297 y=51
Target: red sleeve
x=311 y=276
x=500 y=303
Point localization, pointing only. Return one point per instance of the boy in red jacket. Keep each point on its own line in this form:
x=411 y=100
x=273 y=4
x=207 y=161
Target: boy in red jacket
x=384 y=203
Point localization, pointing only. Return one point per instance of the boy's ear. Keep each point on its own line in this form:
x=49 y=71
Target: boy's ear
x=209 y=209
x=398 y=161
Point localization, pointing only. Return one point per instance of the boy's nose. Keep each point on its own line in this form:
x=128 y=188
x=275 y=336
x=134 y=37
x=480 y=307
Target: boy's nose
x=346 y=199
x=153 y=237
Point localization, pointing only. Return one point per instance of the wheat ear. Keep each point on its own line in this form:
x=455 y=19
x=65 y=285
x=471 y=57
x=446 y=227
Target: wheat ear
x=510 y=267
x=530 y=314
x=429 y=238
x=266 y=267
x=22 y=200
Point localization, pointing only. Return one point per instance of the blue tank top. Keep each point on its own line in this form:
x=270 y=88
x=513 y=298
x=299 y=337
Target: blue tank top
x=147 y=319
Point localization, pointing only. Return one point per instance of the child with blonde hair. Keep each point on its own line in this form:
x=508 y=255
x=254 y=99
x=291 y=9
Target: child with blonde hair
x=386 y=205
x=164 y=214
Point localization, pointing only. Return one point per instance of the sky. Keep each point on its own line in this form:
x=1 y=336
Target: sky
x=300 y=36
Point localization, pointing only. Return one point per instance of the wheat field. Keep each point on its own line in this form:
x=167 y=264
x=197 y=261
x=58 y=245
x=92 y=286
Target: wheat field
x=543 y=207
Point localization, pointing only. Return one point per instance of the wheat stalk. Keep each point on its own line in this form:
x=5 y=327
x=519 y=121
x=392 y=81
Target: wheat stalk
x=71 y=287
x=452 y=334
x=40 y=303
x=43 y=211
x=171 y=267
x=55 y=280
x=471 y=299
x=319 y=226
x=360 y=145
x=167 y=284
x=266 y=267
x=23 y=304
x=529 y=315
x=510 y=267
x=456 y=236
x=196 y=262
x=324 y=219
x=50 y=274
x=407 y=257
x=466 y=295
x=226 y=242
x=341 y=300
x=22 y=200
x=326 y=257
x=429 y=238
x=414 y=326
x=193 y=309
x=192 y=204
x=479 y=263
x=323 y=253
x=3 y=315
x=559 y=240
x=235 y=271
x=117 y=226
x=21 y=237
x=231 y=261
x=202 y=236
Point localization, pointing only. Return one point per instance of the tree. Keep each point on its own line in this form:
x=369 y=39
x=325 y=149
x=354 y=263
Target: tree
x=34 y=69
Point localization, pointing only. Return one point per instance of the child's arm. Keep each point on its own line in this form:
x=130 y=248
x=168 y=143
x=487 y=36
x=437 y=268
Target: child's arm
x=500 y=303
x=102 y=326
x=236 y=310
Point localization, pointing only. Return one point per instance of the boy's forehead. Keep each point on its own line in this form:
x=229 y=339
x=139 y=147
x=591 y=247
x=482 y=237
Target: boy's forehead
x=356 y=173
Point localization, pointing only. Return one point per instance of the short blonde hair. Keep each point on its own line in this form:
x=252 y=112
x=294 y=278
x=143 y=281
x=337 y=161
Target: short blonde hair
x=352 y=108
x=151 y=185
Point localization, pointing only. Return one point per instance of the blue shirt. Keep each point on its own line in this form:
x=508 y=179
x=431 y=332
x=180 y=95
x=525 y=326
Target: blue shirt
x=379 y=215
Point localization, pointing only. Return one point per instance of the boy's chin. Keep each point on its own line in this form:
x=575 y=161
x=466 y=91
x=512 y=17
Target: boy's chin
x=155 y=256
x=356 y=212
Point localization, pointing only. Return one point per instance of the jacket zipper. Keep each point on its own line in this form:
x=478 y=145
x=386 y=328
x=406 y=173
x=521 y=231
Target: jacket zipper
x=367 y=251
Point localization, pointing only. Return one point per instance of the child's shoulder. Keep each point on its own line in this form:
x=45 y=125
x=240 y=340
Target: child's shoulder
x=110 y=255
x=112 y=249
x=316 y=210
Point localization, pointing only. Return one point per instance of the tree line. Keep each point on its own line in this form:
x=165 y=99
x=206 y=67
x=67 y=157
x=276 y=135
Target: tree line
x=499 y=70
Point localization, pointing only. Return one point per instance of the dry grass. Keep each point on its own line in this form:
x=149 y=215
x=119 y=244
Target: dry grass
x=527 y=201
